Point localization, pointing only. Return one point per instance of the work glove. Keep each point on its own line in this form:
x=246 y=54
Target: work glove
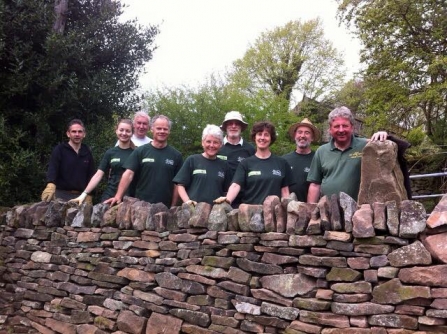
x=220 y=200
x=48 y=193
x=190 y=202
x=78 y=200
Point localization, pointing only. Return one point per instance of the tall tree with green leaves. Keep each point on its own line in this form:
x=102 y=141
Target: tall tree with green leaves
x=295 y=56
x=75 y=60
x=405 y=57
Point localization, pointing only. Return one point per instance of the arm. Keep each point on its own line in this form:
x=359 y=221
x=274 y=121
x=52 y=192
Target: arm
x=232 y=192
x=285 y=192
x=313 y=194
x=175 y=195
x=94 y=181
x=182 y=193
x=126 y=179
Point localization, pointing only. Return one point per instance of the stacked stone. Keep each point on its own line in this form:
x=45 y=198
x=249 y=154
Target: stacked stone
x=281 y=267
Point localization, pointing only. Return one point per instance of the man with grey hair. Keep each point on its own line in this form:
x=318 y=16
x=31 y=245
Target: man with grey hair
x=336 y=165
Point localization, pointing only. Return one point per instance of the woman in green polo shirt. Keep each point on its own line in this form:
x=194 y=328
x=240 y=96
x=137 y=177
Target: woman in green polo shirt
x=203 y=177
x=112 y=163
x=262 y=174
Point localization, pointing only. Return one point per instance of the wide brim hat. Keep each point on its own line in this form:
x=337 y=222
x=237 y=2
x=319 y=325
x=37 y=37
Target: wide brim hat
x=234 y=116
x=307 y=123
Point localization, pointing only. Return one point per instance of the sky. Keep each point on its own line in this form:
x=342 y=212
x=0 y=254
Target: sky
x=200 y=37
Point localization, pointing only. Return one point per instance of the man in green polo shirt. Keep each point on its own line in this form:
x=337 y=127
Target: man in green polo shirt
x=336 y=165
x=156 y=164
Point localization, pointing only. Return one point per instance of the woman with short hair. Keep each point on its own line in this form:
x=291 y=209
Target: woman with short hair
x=262 y=174
x=203 y=177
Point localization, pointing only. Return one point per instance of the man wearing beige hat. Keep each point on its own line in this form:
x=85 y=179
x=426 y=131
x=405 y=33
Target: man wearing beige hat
x=234 y=148
x=303 y=134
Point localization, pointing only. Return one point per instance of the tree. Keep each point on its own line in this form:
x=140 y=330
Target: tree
x=293 y=57
x=191 y=109
x=86 y=66
x=405 y=53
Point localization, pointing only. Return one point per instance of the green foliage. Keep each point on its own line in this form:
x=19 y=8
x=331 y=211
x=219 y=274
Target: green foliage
x=17 y=164
x=87 y=70
x=416 y=136
x=405 y=56
x=191 y=109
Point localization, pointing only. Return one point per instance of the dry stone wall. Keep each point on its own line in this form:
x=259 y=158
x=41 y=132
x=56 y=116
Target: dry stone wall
x=281 y=267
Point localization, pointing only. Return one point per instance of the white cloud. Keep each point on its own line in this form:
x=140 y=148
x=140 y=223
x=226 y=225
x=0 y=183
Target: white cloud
x=201 y=37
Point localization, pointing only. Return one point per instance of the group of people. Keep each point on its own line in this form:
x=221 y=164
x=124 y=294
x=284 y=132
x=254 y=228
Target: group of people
x=229 y=169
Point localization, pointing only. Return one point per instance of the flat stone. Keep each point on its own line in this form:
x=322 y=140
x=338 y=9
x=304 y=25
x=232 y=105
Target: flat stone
x=360 y=308
x=411 y=255
x=288 y=313
x=162 y=323
x=288 y=285
x=393 y=320
x=393 y=292
x=436 y=245
x=426 y=276
x=322 y=318
x=343 y=275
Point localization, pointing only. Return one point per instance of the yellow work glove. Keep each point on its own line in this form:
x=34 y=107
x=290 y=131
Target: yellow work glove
x=78 y=200
x=220 y=200
x=190 y=202
x=48 y=193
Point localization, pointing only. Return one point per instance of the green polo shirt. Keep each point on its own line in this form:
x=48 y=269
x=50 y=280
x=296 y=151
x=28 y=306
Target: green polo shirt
x=260 y=178
x=337 y=170
x=204 y=179
x=155 y=169
x=112 y=165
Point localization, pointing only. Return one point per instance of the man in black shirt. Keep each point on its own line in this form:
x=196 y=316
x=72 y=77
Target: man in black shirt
x=71 y=166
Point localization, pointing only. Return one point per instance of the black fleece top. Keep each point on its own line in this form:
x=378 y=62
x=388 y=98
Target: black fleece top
x=70 y=170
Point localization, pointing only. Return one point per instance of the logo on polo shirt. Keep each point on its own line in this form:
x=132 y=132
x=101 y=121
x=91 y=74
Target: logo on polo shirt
x=169 y=162
x=276 y=172
x=355 y=155
x=221 y=174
